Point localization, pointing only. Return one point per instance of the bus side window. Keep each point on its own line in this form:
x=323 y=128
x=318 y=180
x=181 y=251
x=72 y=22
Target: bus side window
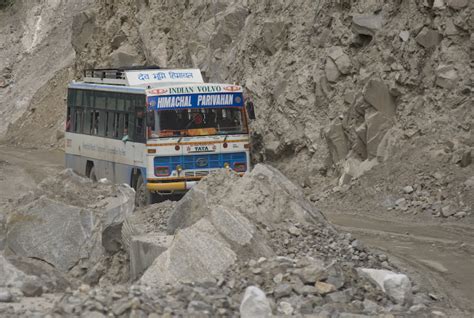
x=94 y=124
x=131 y=127
x=116 y=133
x=102 y=123
x=78 y=120
x=139 y=125
x=110 y=124
x=87 y=121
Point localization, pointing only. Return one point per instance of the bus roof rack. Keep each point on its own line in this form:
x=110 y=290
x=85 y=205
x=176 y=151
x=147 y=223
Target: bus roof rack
x=114 y=76
x=141 y=76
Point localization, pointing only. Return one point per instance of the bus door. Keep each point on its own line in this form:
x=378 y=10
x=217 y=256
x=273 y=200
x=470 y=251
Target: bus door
x=140 y=138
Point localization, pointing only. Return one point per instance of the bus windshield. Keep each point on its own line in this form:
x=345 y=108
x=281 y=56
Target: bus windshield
x=196 y=122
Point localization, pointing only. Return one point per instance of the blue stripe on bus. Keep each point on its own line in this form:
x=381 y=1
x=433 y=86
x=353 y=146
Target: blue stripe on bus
x=201 y=161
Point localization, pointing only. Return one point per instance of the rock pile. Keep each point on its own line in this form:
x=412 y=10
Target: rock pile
x=248 y=244
x=67 y=223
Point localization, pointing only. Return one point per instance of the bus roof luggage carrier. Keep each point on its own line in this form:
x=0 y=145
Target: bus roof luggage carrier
x=144 y=76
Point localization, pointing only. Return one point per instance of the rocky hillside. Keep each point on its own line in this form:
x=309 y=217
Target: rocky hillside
x=35 y=44
x=335 y=83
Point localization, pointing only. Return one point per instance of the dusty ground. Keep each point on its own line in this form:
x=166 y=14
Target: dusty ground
x=439 y=255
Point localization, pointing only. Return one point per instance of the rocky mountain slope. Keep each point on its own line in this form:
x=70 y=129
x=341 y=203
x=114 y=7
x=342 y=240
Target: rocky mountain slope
x=336 y=84
x=367 y=105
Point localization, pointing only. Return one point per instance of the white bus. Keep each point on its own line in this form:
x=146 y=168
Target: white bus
x=160 y=131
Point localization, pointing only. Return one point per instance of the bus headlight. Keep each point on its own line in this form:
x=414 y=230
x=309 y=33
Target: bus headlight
x=162 y=171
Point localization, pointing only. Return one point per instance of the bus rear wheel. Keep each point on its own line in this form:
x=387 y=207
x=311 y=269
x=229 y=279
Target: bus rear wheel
x=92 y=174
x=144 y=197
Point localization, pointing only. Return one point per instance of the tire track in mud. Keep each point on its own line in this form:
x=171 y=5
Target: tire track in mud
x=444 y=265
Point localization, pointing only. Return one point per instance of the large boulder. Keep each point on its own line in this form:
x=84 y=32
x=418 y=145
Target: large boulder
x=57 y=233
x=263 y=195
x=341 y=59
x=198 y=253
x=377 y=126
x=9 y=274
x=144 y=249
x=428 y=38
x=367 y=24
x=215 y=223
x=377 y=94
x=336 y=140
x=68 y=220
x=255 y=304
x=396 y=286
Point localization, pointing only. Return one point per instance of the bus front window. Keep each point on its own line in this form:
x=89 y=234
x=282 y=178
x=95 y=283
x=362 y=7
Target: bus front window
x=195 y=122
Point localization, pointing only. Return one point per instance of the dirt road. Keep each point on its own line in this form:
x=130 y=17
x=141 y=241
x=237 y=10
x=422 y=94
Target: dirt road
x=21 y=169
x=439 y=256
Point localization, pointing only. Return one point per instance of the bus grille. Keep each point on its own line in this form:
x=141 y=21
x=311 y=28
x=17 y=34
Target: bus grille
x=200 y=162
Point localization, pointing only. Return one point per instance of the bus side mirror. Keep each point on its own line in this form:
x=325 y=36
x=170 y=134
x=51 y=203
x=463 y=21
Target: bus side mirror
x=250 y=109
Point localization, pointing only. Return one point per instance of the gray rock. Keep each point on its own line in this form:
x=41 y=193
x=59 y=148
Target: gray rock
x=274 y=34
x=197 y=253
x=446 y=211
x=293 y=230
x=336 y=140
x=457 y=4
x=32 y=287
x=57 y=233
x=255 y=304
x=367 y=24
x=285 y=308
x=225 y=190
x=408 y=189
x=5 y=295
x=377 y=126
x=126 y=55
x=331 y=70
x=339 y=296
x=9 y=274
x=312 y=273
x=460 y=214
x=428 y=38
x=341 y=59
x=446 y=76
x=377 y=94
x=450 y=28
x=396 y=286
x=404 y=35
x=144 y=249
x=282 y=290
x=93 y=314
x=371 y=307
x=466 y=159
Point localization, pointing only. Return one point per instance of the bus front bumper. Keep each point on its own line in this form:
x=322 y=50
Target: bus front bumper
x=170 y=186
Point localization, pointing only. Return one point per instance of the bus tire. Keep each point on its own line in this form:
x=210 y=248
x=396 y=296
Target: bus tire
x=92 y=174
x=144 y=197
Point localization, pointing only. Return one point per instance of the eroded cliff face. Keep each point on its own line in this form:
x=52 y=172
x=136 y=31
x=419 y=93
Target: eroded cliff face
x=338 y=86
x=35 y=43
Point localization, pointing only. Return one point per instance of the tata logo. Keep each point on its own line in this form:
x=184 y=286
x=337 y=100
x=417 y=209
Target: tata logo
x=201 y=162
x=232 y=88
x=202 y=149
